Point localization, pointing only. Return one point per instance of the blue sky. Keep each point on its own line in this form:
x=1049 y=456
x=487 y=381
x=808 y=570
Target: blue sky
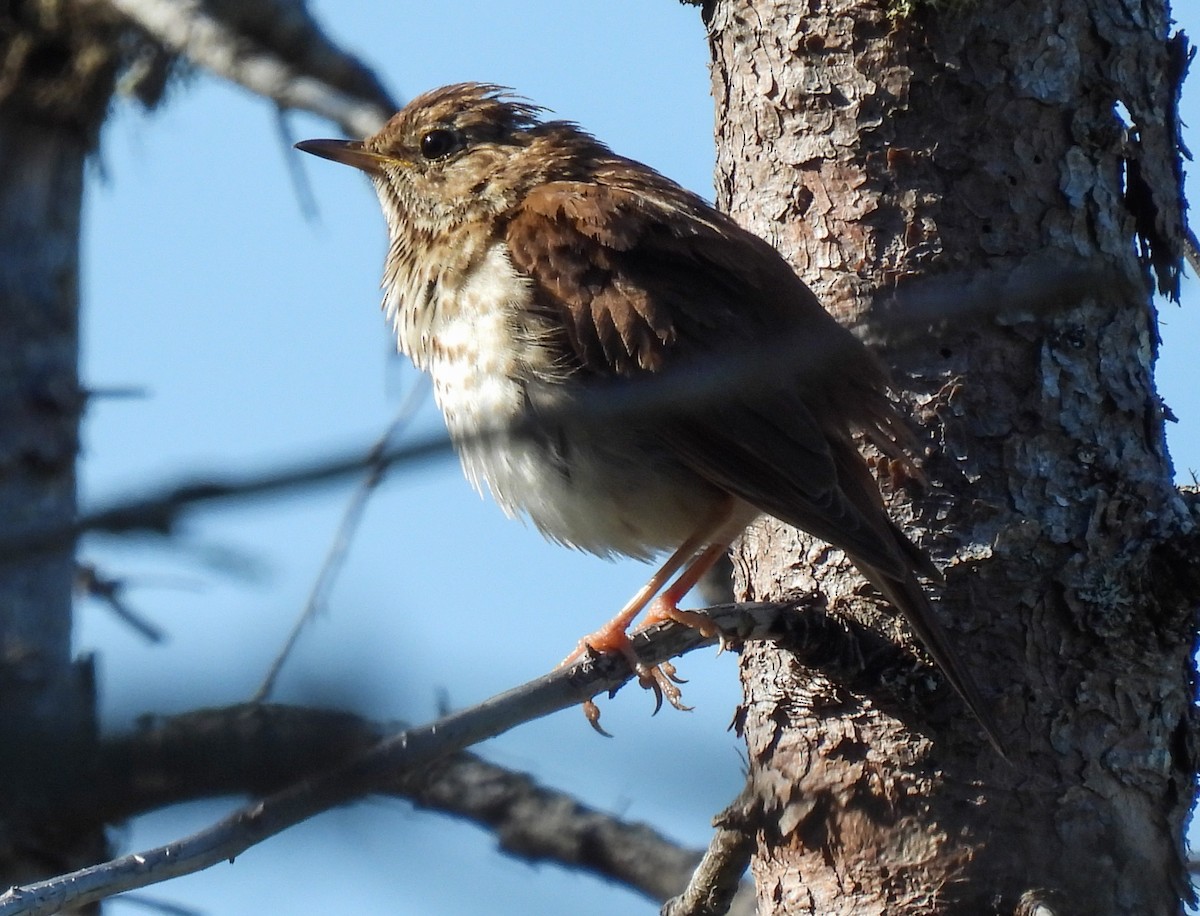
x=258 y=338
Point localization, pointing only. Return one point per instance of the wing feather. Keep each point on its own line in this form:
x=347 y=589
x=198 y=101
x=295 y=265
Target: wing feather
x=639 y=290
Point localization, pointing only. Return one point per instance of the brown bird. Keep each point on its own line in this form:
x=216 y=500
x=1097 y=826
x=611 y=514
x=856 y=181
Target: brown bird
x=530 y=266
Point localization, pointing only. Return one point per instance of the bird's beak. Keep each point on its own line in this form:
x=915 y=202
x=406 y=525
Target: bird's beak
x=347 y=152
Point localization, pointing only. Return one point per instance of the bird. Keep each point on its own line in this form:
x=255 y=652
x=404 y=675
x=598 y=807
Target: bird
x=531 y=271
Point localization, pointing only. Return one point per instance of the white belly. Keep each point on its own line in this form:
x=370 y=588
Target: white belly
x=590 y=489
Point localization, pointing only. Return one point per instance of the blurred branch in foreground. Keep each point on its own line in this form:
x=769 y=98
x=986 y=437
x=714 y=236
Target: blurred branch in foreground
x=340 y=546
x=1029 y=292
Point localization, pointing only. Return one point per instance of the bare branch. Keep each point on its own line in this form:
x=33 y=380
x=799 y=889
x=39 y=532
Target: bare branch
x=259 y=748
x=1025 y=292
x=392 y=759
x=715 y=886
x=540 y=825
x=89 y=581
x=351 y=516
x=160 y=511
x=273 y=48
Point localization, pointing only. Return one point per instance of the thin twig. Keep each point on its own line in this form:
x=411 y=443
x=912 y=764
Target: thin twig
x=301 y=186
x=92 y=583
x=276 y=51
x=404 y=752
x=338 y=548
x=717 y=880
x=1033 y=289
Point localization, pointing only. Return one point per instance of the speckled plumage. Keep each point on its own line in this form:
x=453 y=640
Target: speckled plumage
x=528 y=262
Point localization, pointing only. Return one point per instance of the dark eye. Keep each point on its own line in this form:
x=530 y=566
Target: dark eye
x=441 y=142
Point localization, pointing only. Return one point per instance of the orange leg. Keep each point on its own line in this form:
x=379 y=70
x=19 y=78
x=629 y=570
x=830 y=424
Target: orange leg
x=666 y=605
x=611 y=637
x=695 y=557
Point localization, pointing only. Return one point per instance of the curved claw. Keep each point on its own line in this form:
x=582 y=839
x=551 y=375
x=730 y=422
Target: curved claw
x=661 y=679
x=669 y=670
x=592 y=712
x=652 y=684
x=665 y=683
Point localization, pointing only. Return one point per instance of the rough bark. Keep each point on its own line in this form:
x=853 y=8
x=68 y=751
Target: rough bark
x=872 y=149
x=58 y=65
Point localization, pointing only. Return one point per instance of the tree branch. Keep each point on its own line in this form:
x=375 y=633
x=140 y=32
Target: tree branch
x=259 y=748
x=716 y=886
x=1030 y=289
x=536 y=824
x=398 y=757
x=160 y=511
x=275 y=49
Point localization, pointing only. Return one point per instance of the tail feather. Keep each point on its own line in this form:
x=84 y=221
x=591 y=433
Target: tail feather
x=908 y=596
x=899 y=584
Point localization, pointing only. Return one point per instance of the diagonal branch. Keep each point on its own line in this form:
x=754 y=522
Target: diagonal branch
x=405 y=754
x=259 y=748
x=716 y=886
x=1030 y=289
x=336 y=555
x=273 y=48
x=538 y=824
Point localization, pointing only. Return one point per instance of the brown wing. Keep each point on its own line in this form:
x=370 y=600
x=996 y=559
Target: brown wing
x=650 y=279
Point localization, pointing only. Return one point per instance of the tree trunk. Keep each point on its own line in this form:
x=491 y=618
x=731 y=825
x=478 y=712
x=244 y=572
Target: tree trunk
x=58 y=66
x=872 y=148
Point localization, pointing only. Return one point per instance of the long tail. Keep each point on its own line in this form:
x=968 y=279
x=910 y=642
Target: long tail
x=908 y=596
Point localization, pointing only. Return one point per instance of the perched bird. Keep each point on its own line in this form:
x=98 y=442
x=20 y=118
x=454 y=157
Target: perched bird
x=530 y=266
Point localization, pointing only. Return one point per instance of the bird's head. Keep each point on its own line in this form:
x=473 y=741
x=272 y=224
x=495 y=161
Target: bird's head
x=458 y=153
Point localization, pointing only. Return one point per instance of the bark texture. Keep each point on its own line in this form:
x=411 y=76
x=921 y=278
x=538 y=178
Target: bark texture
x=58 y=64
x=985 y=142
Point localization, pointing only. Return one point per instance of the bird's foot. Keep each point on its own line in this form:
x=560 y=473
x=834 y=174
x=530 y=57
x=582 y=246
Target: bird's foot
x=662 y=610
x=612 y=639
